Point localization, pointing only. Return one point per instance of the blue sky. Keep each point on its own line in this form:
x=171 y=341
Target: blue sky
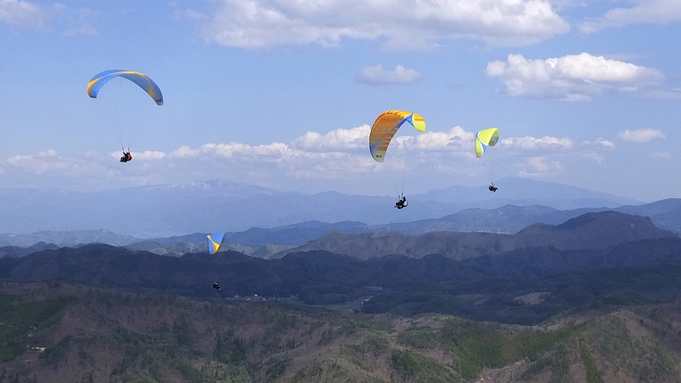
x=282 y=93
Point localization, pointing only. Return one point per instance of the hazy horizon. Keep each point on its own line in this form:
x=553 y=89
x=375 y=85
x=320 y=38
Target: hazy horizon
x=219 y=181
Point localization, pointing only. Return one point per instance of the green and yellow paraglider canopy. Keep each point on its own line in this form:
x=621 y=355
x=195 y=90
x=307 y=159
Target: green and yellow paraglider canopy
x=385 y=127
x=485 y=138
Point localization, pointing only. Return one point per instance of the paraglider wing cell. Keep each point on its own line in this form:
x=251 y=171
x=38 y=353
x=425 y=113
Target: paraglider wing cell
x=215 y=242
x=144 y=82
x=385 y=127
x=484 y=139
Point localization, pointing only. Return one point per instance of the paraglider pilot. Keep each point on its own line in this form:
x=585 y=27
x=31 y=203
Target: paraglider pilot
x=216 y=286
x=126 y=156
x=401 y=203
x=492 y=188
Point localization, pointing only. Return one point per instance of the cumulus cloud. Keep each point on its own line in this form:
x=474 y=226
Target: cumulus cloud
x=533 y=143
x=344 y=152
x=299 y=163
x=539 y=167
x=456 y=139
x=233 y=149
x=645 y=11
x=571 y=77
x=50 y=162
x=560 y=4
x=340 y=139
x=142 y=156
x=377 y=75
x=641 y=135
x=600 y=143
x=337 y=156
x=550 y=155
x=401 y=24
x=23 y=14
x=356 y=139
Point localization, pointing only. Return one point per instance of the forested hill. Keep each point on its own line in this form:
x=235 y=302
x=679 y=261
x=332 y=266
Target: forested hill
x=488 y=287
x=63 y=333
x=587 y=231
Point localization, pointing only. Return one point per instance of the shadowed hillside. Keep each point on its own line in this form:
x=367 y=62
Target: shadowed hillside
x=62 y=334
x=588 y=231
x=487 y=287
x=592 y=299
x=266 y=242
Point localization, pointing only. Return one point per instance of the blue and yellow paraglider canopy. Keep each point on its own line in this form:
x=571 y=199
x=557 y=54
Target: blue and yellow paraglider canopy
x=215 y=242
x=138 y=78
x=385 y=127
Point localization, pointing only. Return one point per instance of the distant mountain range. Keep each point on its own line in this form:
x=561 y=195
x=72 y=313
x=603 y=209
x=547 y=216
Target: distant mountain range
x=475 y=275
x=587 y=231
x=666 y=214
x=67 y=238
x=266 y=242
x=225 y=206
x=526 y=192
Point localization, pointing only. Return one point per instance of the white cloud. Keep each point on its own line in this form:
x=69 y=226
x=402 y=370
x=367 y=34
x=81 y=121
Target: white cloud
x=340 y=139
x=343 y=153
x=661 y=154
x=560 y=4
x=539 y=167
x=532 y=143
x=556 y=154
x=400 y=24
x=49 y=163
x=142 y=156
x=571 y=77
x=335 y=157
x=312 y=162
x=600 y=143
x=233 y=149
x=352 y=140
x=641 y=135
x=645 y=11
x=23 y=14
x=82 y=23
x=188 y=14
x=377 y=75
x=68 y=21
x=456 y=138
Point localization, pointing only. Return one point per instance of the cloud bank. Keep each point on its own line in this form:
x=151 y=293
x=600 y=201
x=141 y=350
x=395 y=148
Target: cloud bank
x=23 y=14
x=377 y=75
x=340 y=156
x=532 y=143
x=645 y=11
x=571 y=77
x=400 y=24
x=641 y=135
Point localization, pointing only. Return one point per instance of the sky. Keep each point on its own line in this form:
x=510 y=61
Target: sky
x=283 y=93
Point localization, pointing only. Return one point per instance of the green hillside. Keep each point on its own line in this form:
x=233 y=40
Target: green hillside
x=96 y=335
